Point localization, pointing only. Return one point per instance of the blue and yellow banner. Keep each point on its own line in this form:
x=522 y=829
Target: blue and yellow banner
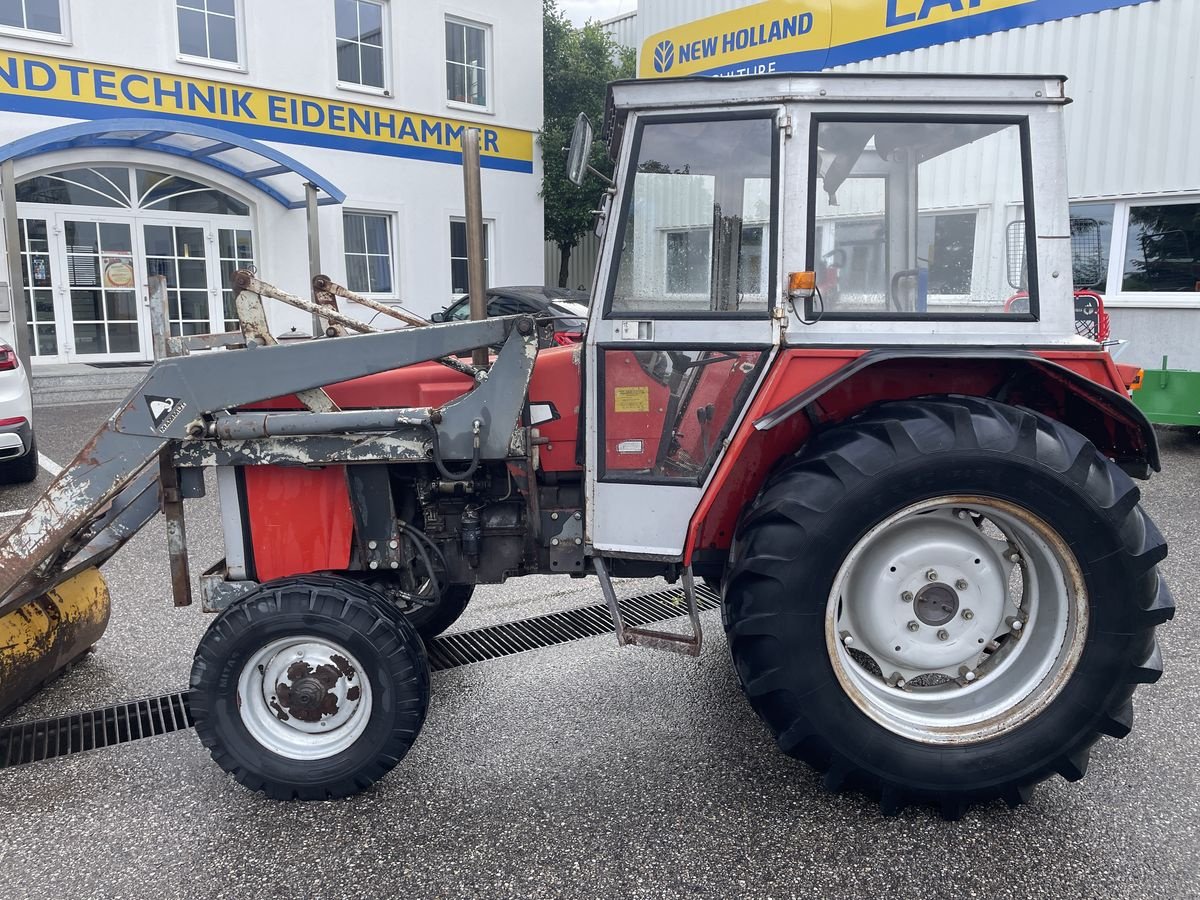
x=48 y=86
x=808 y=35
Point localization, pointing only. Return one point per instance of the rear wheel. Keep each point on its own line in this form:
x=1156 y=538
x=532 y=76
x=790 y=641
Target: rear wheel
x=433 y=619
x=946 y=600
x=309 y=688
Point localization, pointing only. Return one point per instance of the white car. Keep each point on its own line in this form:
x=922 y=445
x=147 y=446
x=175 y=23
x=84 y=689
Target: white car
x=18 y=449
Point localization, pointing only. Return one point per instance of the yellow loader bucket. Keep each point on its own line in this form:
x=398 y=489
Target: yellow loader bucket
x=38 y=640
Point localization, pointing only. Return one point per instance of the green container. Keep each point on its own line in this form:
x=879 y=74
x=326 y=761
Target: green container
x=1169 y=396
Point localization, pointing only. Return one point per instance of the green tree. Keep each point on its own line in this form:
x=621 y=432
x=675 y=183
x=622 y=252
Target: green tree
x=578 y=64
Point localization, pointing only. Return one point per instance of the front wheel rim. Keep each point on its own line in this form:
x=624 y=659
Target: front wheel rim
x=304 y=697
x=957 y=619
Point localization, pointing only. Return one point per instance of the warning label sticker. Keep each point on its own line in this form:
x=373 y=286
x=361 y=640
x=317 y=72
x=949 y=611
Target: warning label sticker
x=631 y=399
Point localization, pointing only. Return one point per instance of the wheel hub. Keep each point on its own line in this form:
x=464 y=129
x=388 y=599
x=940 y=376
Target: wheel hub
x=304 y=696
x=951 y=618
x=936 y=604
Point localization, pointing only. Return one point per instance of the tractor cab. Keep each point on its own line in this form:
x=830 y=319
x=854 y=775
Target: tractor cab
x=758 y=214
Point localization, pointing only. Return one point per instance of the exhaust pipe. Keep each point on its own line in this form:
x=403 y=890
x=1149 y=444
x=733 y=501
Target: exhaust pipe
x=473 y=192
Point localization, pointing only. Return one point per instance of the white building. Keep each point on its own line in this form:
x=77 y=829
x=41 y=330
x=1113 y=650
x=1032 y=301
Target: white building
x=1133 y=134
x=176 y=137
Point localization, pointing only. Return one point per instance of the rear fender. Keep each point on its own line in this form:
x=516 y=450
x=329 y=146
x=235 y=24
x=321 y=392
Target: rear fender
x=812 y=390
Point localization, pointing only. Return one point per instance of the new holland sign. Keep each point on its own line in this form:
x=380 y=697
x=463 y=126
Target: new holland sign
x=70 y=88
x=807 y=35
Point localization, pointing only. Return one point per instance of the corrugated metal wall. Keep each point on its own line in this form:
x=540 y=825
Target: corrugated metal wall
x=1134 y=71
x=580 y=268
x=1134 y=126
x=623 y=29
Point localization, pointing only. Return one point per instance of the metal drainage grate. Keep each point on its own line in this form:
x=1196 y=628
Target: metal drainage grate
x=28 y=742
x=494 y=641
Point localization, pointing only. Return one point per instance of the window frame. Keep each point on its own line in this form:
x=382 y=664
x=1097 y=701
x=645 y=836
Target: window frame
x=489 y=230
x=1114 y=296
x=771 y=114
x=385 y=9
x=813 y=311
x=50 y=37
x=489 y=57
x=239 y=33
x=393 y=256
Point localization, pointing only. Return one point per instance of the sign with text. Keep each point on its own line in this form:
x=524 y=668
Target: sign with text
x=49 y=86
x=809 y=35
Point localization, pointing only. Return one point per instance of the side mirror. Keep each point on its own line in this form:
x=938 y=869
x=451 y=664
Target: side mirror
x=580 y=150
x=438 y=317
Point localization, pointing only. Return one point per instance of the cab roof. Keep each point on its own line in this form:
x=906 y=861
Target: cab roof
x=939 y=89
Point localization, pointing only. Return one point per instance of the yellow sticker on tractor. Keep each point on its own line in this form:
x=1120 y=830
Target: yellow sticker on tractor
x=631 y=399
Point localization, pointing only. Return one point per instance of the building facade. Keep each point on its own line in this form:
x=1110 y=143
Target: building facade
x=184 y=138
x=1132 y=130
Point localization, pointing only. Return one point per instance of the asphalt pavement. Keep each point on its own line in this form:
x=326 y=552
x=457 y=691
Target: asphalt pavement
x=582 y=770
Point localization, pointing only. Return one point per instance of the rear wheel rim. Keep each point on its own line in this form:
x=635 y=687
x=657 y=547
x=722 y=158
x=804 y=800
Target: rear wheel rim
x=957 y=619
x=304 y=697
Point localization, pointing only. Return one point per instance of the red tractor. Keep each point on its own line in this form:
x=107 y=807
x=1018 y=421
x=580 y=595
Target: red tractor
x=917 y=500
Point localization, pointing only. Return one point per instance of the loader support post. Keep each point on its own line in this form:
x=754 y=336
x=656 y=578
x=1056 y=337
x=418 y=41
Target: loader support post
x=160 y=317
x=314 y=247
x=172 y=508
x=473 y=191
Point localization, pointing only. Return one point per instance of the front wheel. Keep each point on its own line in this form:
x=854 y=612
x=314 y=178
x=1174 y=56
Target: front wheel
x=309 y=688
x=946 y=600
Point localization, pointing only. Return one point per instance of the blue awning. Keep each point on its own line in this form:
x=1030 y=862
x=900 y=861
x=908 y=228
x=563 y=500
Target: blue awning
x=276 y=174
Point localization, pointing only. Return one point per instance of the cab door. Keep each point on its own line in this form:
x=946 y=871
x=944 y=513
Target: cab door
x=683 y=324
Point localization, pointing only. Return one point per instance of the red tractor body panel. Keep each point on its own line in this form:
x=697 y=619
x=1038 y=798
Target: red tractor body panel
x=752 y=453
x=300 y=519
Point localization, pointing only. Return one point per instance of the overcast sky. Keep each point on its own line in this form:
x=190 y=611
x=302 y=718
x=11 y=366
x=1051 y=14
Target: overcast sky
x=582 y=10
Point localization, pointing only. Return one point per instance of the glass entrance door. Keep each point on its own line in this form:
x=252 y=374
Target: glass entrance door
x=102 y=289
x=180 y=253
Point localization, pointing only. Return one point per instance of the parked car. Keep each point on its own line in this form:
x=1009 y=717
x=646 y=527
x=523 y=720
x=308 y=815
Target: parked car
x=561 y=313
x=18 y=449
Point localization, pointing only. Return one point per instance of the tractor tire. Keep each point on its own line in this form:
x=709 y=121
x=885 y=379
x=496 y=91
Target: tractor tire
x=309 y=688
x=430 y=621
x=876 y=587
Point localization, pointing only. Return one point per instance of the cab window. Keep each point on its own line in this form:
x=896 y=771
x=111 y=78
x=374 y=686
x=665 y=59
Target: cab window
x=920 y=219
x=699 y=219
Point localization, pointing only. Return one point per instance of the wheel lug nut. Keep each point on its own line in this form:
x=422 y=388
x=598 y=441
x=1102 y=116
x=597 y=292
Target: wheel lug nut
x=963 y=514
x=913 y=626
x=848 y=640
x=907 y=597
x=968 y=675
x=968 y=615
x=943 y=634
x=931 y=575
x=1017 y=625
x=961 y=584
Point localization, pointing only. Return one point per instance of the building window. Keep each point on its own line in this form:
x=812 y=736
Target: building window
x=459 y=278
x=1162 y=249
x=688 y=261
x=235 y=247
x=368 y=252
x=466 y=63
x=946 y=246
x=360 y=46
x=44 y=17
x=208 y=30
x=39 y=287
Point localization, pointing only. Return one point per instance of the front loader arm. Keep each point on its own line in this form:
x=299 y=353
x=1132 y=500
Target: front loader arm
x=186 y=399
